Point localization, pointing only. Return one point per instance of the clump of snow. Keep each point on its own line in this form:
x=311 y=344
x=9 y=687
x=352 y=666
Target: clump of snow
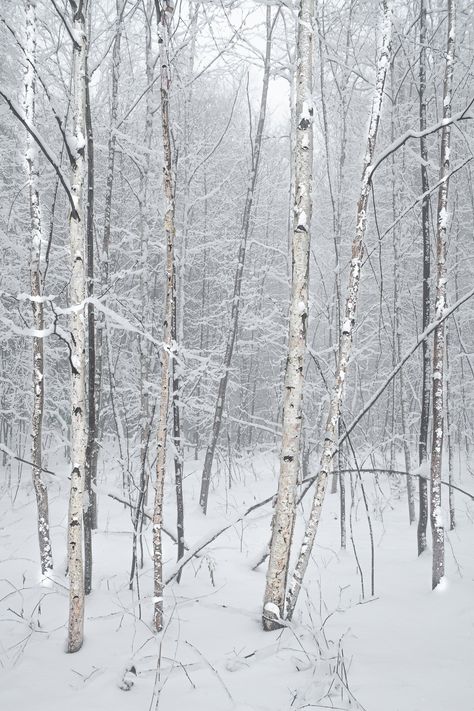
x=272 y=609
x=443 y=218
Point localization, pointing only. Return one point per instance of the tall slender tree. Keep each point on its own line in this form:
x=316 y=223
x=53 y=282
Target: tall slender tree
x=32 y=164
x=284 y=514
x=78 y=330
x=144 y=346
x=90 y=509
x=426 y=298
x=164 y=15
x=349 y=319
x=437 y=525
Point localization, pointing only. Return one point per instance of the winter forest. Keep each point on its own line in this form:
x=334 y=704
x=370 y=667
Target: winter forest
x=236 y=355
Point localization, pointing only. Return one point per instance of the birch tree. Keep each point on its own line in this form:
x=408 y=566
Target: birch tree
x=284 y=514
x=145 y=425
x=32 y=164
x=437 y=525
x=426 y=298
x=349 y=318
x=78 y=332
x=164 y=14
x=90 y=509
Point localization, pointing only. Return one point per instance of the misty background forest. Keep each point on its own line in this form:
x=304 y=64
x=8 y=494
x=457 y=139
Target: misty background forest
x=236 y=355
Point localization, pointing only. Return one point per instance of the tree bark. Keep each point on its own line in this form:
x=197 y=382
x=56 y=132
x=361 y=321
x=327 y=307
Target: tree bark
x=90 y=508
x=285 y=506
x=426 y=299
x=144 y=350
x=437 y=525
x=163 y=19
x=450 y=438
x=78 y=335
x=345 y=345
x=32 y=165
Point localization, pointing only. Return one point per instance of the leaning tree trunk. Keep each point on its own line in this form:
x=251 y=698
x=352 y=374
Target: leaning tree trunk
x=285 y=506
x=163 y=19
x=78 y=336
x=345 y=345
x=245 y=231
x=32 y=164
x=426 y=299
x=437 y=526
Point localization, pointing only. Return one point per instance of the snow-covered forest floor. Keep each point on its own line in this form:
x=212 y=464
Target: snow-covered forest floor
x=406 y=649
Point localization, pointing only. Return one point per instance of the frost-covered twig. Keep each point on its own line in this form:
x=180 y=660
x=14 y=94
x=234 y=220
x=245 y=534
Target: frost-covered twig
x=47 y=152
x=422 y=337
x=440 y=125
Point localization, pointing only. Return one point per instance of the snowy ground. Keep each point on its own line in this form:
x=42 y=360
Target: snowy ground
x=406 y=649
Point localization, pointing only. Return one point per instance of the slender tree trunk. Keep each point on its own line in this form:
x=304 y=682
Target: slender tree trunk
x=437 y=525
x=345 y=347
x=342 y=510
x=425 y=226
x=285 y=506
x=245 y=230
x=32 y=163
x=163 y=19
x=334 y=322
x=178 y=303
x=397 y=334
x=90 y=508
x=78 y=336
x=178 y=449
x=144 y=350
x=449 y=432
x=104 y=252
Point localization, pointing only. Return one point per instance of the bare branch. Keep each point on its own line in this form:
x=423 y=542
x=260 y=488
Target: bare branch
x=49 y=155
x=399 y=142
x=423 y=336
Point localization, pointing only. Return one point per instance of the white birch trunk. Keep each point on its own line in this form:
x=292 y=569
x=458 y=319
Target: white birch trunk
x=450 y=438
x=143 y=344
x=426 y=298
x=437 y=525
x=78 y=337
x=163 y=18
x=284 y=514
x=345 y=345
x=32 y=164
